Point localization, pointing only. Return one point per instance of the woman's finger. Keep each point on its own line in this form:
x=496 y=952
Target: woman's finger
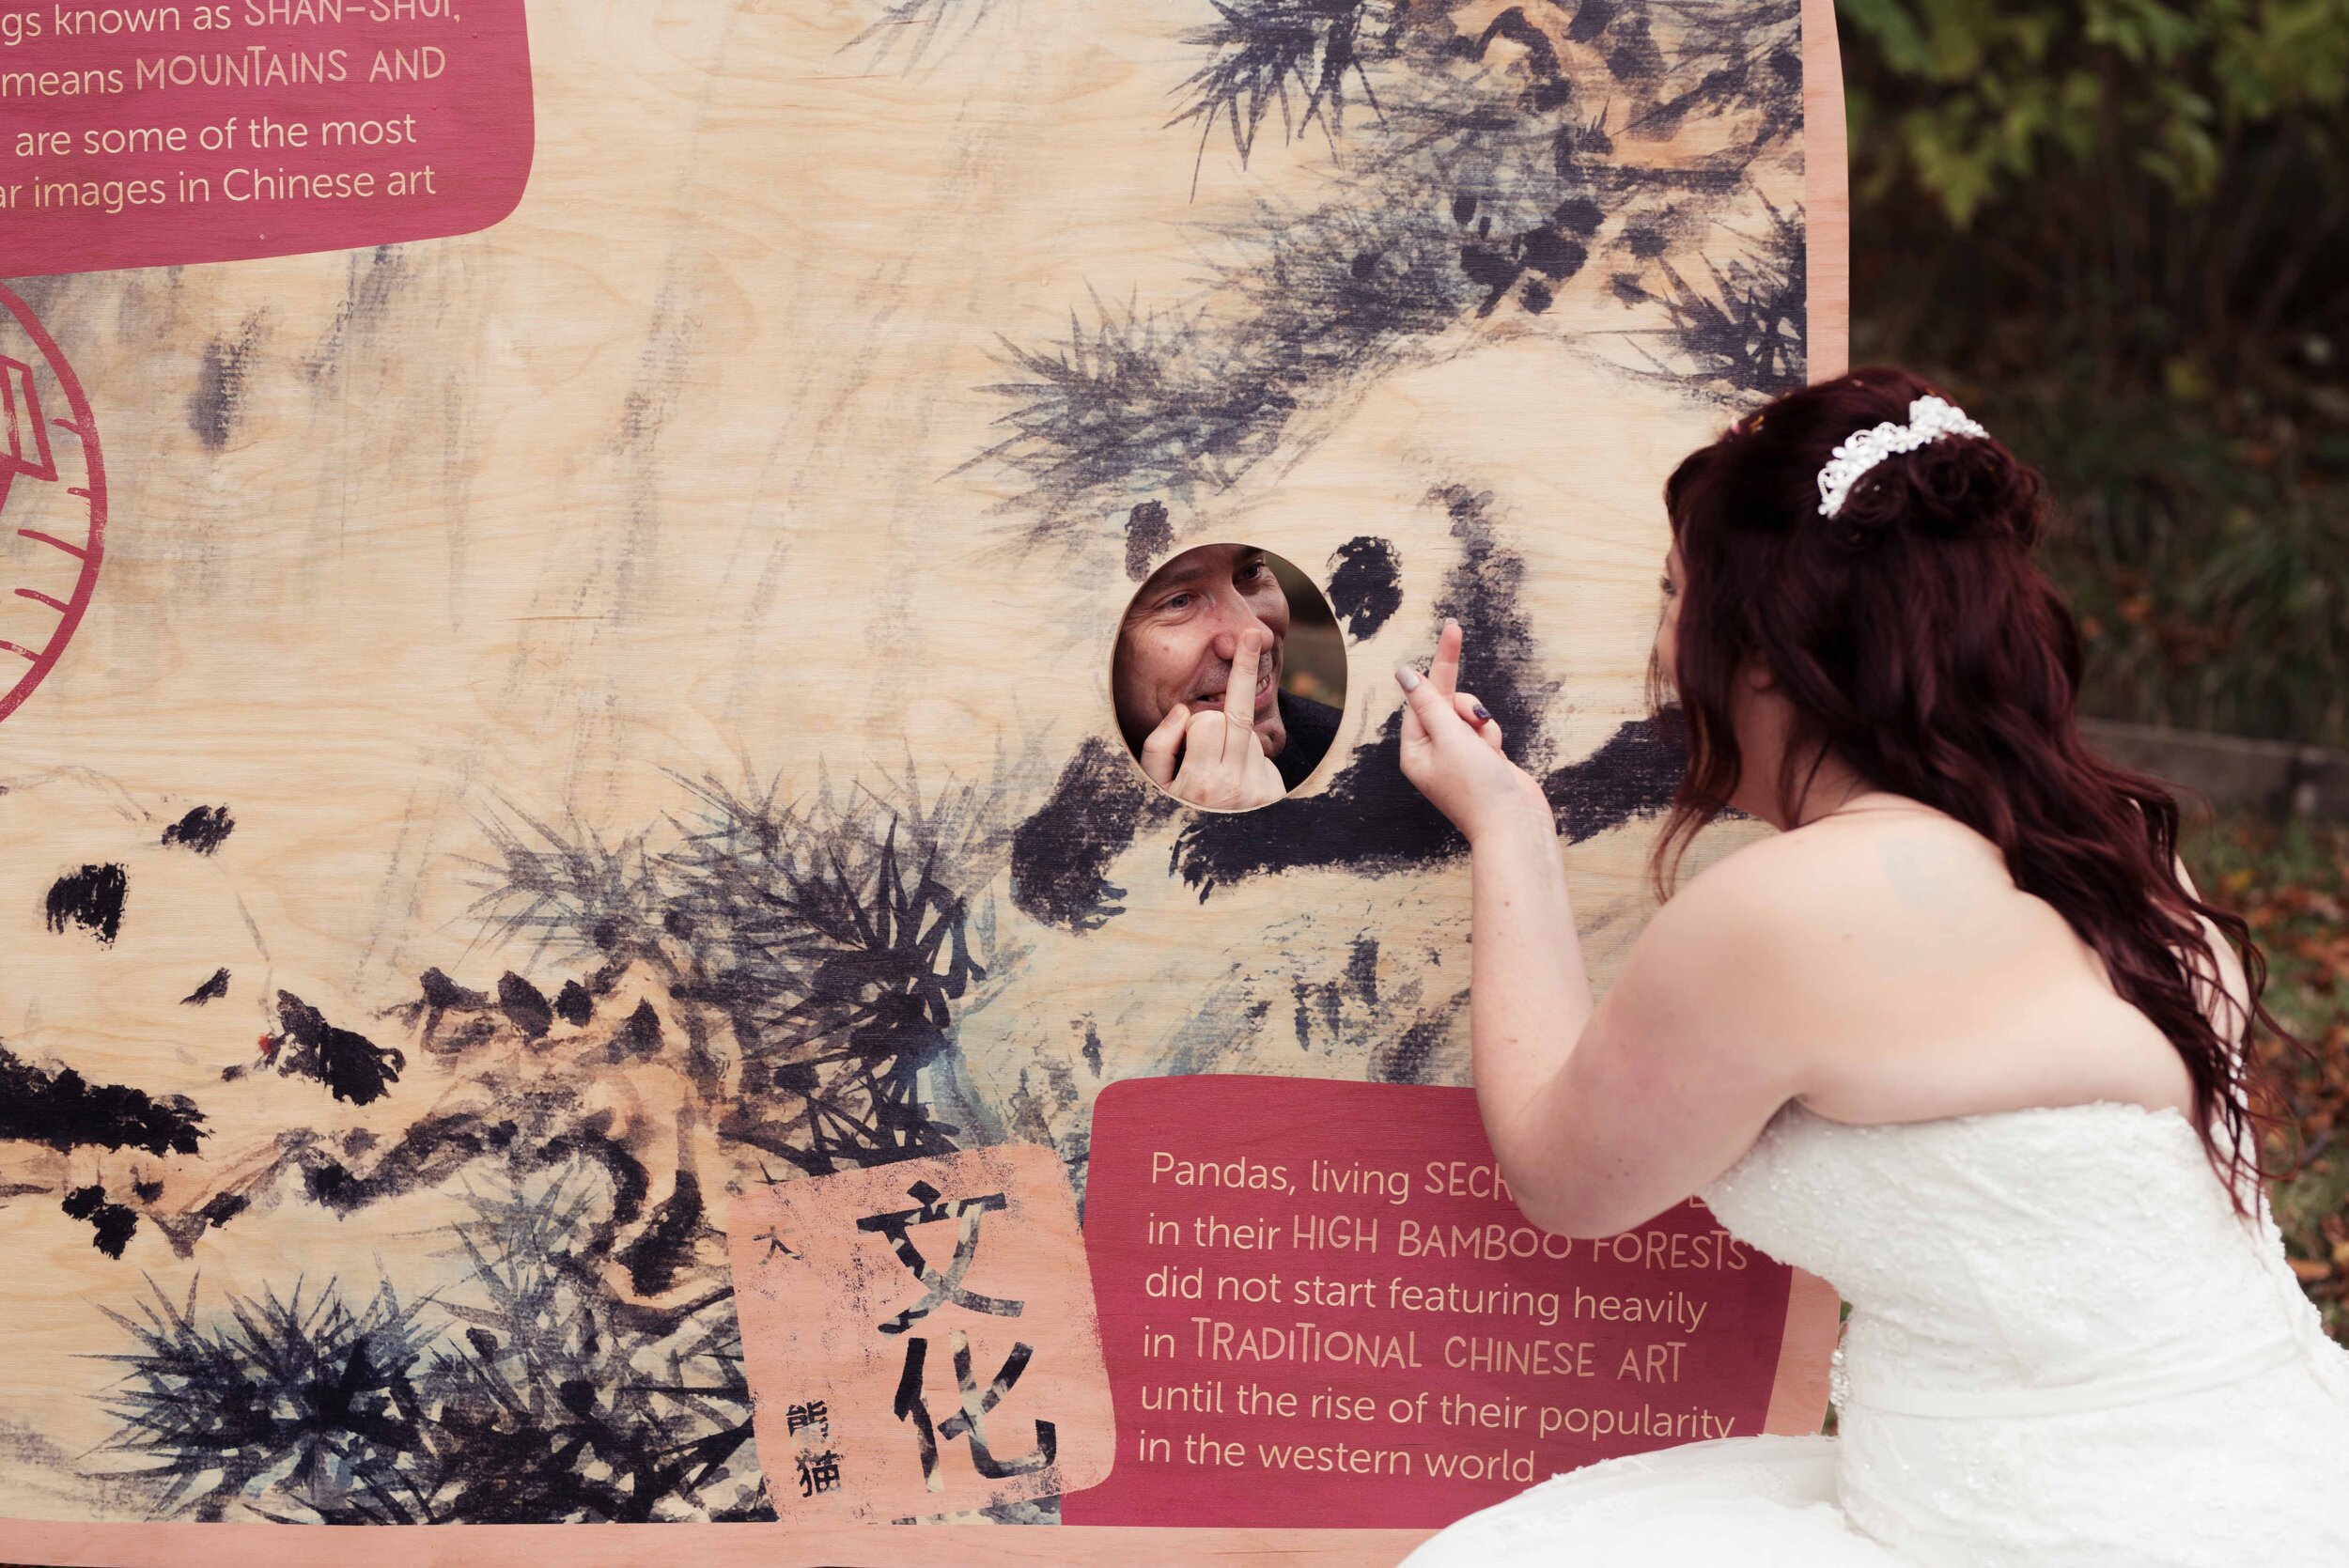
x=1479 y=718
x=1162 y=749
x=1443 y=670
x=1430 y=709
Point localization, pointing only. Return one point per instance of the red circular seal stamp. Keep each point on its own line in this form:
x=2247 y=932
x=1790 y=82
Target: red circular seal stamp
x=53 y=501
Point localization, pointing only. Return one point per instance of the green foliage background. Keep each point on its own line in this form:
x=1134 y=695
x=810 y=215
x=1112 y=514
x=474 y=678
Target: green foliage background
x=2119 y=231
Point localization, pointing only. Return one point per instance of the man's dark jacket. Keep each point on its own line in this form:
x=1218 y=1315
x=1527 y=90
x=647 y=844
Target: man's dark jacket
x=1311 y=727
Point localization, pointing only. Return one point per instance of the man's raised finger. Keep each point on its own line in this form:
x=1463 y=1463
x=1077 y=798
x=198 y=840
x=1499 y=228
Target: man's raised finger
x=1239 y=688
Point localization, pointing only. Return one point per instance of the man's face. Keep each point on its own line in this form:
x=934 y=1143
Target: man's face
x=1177 y=642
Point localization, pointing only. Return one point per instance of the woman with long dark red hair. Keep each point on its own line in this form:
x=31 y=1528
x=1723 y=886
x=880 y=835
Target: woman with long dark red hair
x=1961 y=1037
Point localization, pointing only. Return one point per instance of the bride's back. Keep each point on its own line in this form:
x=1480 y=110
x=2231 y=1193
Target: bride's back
x=1915 y=981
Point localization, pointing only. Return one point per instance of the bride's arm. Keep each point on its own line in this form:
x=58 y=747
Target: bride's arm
x=1529 y=992
x=1600 y=1116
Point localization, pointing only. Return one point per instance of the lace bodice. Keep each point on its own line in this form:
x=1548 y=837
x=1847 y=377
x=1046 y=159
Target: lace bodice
x=2064 y=1351
x=2022 y=1250
x=2059 y=1326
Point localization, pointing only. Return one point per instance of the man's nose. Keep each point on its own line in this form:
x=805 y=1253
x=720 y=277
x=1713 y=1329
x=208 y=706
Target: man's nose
x=1226 y=644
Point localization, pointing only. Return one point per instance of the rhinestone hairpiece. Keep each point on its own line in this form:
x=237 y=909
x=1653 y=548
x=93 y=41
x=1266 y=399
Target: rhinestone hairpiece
x=1929 y=419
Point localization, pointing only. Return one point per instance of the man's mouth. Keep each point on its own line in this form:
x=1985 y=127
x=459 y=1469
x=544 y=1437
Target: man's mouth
x=1215 y=698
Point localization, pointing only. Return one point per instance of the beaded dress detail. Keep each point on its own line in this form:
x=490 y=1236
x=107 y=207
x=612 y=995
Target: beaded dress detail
x=2064 y=1351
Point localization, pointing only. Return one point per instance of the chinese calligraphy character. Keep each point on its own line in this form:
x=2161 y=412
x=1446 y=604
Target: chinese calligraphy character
x=775 y=1243
x=970 y=1420
x=943 y=1288
x=818 y=1472
x=815 y=1413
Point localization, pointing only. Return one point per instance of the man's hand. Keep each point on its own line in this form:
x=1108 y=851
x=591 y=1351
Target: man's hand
x=1451 y=747
x=1213 y=757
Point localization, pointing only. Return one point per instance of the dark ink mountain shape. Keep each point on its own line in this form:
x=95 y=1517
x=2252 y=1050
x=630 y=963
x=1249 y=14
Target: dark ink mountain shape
x=351 y=1067
x=60 y=1109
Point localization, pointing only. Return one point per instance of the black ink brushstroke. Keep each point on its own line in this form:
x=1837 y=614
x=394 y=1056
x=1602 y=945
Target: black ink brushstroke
x=61 y=1111
x=640 y=1036
x=1361 y=970
x=214 y=988
x=204 y=828
x=574 y=1005
x=351 y=1067
x=1259 y=48
x=440 y=993
x=91 y=898
x=112 y=1224
x=216 y=404
x=654 y=1259
x=1148 y=536
x=524 y=1006
x=319 y=1386
x=425 y=1152
x=1407 y=1059
x=837 y=939
x=919 y=22
x=1745 y=325
x=1634 y=773
x=1365 y=585
x=1061 y=854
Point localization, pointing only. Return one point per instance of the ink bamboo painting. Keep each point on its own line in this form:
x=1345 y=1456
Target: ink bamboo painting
x=586 y=723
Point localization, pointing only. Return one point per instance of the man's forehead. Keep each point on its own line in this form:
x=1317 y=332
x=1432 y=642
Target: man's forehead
x=1200 y=561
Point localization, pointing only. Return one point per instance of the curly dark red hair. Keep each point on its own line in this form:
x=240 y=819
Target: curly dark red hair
x=1920 y=644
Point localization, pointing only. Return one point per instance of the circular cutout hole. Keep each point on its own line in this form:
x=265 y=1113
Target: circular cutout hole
x=1170 y=677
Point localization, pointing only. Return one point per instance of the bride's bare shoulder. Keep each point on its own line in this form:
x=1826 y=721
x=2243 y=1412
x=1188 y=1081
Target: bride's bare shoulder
x=1834 y=883
x=1767 y=872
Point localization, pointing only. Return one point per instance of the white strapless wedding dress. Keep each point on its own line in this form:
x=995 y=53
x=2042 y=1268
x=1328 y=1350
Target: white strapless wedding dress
x=2064 y=1351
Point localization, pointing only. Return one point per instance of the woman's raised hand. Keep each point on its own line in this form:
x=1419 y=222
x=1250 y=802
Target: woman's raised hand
x=1451 y=747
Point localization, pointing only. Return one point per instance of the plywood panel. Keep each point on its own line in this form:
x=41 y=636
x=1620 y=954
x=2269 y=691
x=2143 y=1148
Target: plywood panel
x=653 y=653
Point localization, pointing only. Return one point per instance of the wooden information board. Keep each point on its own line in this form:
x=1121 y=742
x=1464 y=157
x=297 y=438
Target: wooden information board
x=580 y=949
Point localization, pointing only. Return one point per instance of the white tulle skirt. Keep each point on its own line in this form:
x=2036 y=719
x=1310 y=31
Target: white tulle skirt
x=1750 y=1502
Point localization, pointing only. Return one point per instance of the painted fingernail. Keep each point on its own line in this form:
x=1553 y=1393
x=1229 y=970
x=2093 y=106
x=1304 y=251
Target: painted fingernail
x=1408 y=677
x=1478 y=708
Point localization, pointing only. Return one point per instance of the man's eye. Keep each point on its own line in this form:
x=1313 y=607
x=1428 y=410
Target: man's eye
x=1180 y=602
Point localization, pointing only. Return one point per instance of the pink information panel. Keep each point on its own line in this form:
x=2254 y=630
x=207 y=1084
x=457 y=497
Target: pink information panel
x=1320 y=1308
x=146 y=135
